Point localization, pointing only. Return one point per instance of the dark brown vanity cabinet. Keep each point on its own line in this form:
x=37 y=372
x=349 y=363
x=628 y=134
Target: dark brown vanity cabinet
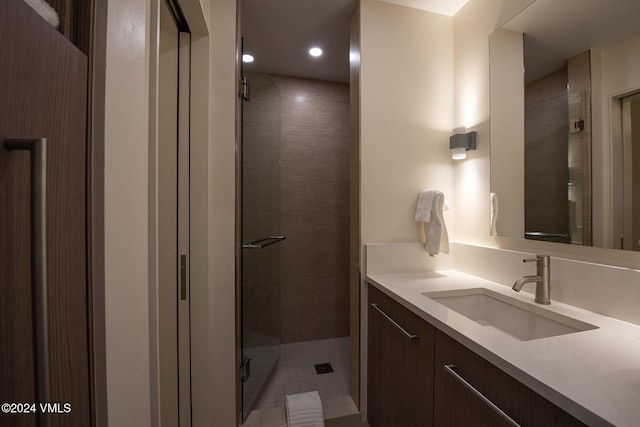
x=400 y=365
x=469 y=391
x=419 y=376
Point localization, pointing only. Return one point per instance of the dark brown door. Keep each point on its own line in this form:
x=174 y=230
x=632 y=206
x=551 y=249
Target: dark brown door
x=43 y=94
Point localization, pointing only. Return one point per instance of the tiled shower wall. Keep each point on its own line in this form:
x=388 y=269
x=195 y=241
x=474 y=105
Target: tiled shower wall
x=547 y=161
x=546 y=136
x=315 y=208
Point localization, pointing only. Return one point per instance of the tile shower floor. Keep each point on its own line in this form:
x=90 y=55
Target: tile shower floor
x=295 y=371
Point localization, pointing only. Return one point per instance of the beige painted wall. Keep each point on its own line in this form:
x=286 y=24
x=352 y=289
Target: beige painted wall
x=222 y=161
x=406 y=106
x=472 y=26
x=611 y=80
x=123 y=199
x=200 y=214
x=507 y=129
x=406 y=90
x=617 y=79
x=126 y=196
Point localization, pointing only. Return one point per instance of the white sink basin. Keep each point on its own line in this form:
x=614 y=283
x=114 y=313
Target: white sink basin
x=516 y=318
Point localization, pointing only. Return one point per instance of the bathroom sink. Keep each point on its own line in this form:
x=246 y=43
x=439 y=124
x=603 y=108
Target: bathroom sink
x=511 y=316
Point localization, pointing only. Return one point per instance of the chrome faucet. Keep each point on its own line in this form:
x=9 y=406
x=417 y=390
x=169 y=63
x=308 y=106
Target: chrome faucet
x=541 y=279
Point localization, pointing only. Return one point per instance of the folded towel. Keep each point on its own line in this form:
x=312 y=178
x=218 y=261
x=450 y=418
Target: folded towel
x=305 y=410
x=429 y=211
x=45 y=10
x=493 y=231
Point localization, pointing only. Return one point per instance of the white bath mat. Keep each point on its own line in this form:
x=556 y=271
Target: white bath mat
x=305 y=410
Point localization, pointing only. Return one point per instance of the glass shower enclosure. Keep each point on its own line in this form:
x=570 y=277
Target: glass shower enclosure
x=260 y=234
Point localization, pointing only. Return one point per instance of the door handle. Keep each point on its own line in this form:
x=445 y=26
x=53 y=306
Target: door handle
x=183 y=277
x=38 y=149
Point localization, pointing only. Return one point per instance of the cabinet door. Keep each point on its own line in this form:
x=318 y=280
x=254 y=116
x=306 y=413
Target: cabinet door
x=43 y=88
x=457 y=405
x=400 y=368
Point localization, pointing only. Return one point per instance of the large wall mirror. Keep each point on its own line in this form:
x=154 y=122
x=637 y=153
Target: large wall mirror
x=565 y=123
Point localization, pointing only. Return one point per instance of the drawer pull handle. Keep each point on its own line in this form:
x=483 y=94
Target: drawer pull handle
x=394 y=323
x=451 y=369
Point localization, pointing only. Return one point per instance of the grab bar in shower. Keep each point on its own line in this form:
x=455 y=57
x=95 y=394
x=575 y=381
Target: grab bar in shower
x=263 y=243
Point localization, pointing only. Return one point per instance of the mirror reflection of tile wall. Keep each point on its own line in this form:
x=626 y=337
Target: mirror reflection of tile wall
x=558 y=154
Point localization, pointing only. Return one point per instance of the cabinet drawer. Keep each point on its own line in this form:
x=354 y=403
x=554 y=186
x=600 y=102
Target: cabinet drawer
x=457 y=404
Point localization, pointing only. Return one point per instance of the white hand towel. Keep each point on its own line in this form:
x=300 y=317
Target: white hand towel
x=429 y=211
x=45 y=10
x=494 y=215
x=305 y=410
x=425 y=205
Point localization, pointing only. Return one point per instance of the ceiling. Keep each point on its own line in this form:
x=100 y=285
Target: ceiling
x=443 y=7
x=279 y=33
x=556 y=30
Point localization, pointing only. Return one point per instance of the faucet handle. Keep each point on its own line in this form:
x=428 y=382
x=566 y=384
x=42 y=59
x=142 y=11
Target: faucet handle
x=539 y=259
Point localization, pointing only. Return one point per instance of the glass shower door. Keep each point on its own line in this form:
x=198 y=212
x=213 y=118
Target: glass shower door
x=260 y=234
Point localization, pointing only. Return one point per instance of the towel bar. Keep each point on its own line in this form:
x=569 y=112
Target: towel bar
x=263 y=243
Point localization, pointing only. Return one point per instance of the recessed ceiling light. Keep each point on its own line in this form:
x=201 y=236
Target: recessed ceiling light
x=247 y=58
x=315 y=51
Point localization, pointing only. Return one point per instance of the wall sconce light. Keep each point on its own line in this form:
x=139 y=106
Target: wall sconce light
x=460 y=143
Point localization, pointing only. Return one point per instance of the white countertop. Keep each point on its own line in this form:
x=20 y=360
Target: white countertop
x=593 y=375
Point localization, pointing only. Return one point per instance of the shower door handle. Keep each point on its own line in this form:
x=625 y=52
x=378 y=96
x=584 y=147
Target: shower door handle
x=245 y=369
x=263 y=243
x=38 y=149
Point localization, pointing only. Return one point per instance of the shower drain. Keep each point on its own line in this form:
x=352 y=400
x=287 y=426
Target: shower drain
x=323 y=368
